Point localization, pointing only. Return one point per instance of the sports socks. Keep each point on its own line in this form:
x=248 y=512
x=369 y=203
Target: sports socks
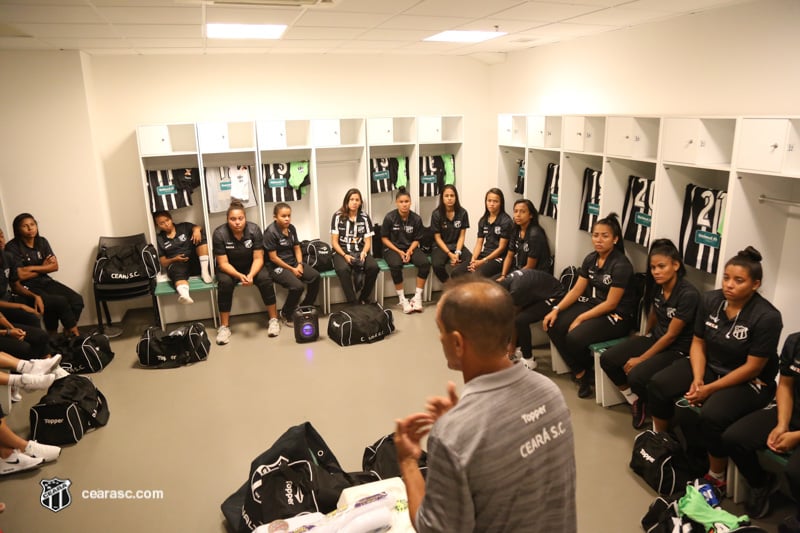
x=630 y=396
x=401 y=295
x=418 y=292
x=183 y=290
x=205 y=272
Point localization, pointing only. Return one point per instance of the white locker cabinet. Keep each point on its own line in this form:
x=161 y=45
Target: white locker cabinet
x=512 y=130
x=380 y=131
x=154 y=140
x=632 y=137
x=326 y=132
x=213 y=137
x=430 y=129
x=697 y=141
x=584 y=134
x=271 y=134
x=544 y=132
x=768 y=145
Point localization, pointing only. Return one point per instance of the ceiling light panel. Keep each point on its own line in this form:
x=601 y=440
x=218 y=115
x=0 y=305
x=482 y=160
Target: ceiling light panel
x=244 y=31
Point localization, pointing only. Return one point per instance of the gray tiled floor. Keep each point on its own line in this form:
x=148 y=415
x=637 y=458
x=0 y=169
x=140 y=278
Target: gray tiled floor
x=192 y=432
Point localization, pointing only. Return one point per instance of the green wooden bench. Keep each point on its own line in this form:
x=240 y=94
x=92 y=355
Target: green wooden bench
x=196 y=284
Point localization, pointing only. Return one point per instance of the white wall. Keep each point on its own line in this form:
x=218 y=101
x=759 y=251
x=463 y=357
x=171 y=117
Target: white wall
x=738 y=60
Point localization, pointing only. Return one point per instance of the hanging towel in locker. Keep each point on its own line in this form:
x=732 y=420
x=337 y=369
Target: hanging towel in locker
x=638 y=210
x=169 y=189
x=277 y=187
x=436 y=171
x=220 y=187
x=519 y=188
x=388 y=173
x=299 y=174
x=549 y=204
x=701 y=227
x=590 y=199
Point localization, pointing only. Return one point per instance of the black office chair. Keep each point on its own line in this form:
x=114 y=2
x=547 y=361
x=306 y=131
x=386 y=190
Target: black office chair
x=109 y=292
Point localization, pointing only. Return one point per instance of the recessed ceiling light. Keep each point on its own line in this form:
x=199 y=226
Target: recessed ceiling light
x=245 y=31
x=459 y=36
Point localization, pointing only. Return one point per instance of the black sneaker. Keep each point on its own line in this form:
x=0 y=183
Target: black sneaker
x=758 y=500
x=639 y=413
x=586 y=385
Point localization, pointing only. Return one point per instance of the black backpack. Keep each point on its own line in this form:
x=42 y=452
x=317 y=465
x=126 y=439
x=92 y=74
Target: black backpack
x=426 y=241
x=317 y=254
x=125 y=264
x=662 y=462
x=568 y=277
x=83 y=354
x=360 y=324
x=71 y=407
x=182 y=346
x=381 y=459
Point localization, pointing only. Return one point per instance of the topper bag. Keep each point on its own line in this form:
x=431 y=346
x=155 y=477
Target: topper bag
x=317 y=254
x=124 y=264
x=71 y=407
x=84 y=354
x=182 y=346
x=360 y=324
x=661 y=461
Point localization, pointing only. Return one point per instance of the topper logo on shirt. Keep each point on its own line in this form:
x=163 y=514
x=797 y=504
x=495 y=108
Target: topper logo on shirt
x=740 y=332
x=606 y=279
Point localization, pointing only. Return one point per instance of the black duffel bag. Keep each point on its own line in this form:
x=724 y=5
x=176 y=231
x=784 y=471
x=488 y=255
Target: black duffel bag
x=360 y=324
x=71 y=407
x=83 y=354
x=317 y=254
x=125 y=264
x=181 y=346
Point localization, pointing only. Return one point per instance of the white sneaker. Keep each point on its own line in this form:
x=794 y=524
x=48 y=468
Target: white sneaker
x=530 y=363
x=416 y=303
x=185 y=300
x=516 y=356
x=16 y=396
x=274 y=328
x=44 y=366
x=18 y=462
x=206 y=276
x=38 y=450
x=59 y=373
x=223 y=335
x=407 y=307
x=32 y=382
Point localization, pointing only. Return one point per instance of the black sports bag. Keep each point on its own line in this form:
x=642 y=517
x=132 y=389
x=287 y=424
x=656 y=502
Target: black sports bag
x=125 y=264
x=71 y=407
x=184 y=345
x=661 y=461
x=317 y=254
x=360 y=324
x=84 y=354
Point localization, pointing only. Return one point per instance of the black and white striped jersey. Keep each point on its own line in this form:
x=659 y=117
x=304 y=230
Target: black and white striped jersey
x=701 y=227
x=549 y=204
x=388 y=174
x=277 y=187
x=168 y=189
x=590 y=199
x=351 y=234
x=436 y=171
x=519 y=188
x=637 y=213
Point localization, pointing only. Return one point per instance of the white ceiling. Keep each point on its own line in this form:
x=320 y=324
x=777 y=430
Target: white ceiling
x=345 y=26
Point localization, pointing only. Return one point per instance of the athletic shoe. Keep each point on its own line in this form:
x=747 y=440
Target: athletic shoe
x=791 y=524
x=32 y=382
x=758 y=500
x=407 y=307
x=223 y=335
x=586 y=385
x=16 y=396
x=206 y=276
x=416 y=303
x=59 y=373
x=18 y=462
x=44 y=366
x=639 y=414
x=274 y=328
x=185 y=300
x=516 y=356
x=38 y=450
x=530 y=363
x=719 y=484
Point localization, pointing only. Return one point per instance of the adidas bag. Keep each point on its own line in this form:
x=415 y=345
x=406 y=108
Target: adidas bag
x=317 y=254
x=187 y=344
x=661 y=461
x=359 y=324
x=71 y=407
x=84 y=354
x=124 y=264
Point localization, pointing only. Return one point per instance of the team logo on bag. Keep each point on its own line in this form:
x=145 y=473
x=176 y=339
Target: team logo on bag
x=55 y=494
x=740 y=333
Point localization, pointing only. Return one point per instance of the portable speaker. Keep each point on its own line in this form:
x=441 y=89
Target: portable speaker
x=306 y=324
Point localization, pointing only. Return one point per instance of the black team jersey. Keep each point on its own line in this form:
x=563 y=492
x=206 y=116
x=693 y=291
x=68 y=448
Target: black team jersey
x=617 y=271
x=637 y=213
x=549 y=204
x=450 y=230
x=590 y=199
x=181 y=243
x=402 y=232
x=682 y=304
x=170 y=189
x=534 y=245
x=351 y=234
x=492 y=232
x=283 y=245
x=388 y=173
x=701 y=227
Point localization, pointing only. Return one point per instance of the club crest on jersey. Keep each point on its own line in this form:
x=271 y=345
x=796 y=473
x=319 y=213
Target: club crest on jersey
x=606 y=279
x=248 y=243
x=497 y=230
x=182 y=238
x=457 y=224
x=55 y=494
x=409 y=229
x=671 y=312
x=525 y=247
x=740 y=332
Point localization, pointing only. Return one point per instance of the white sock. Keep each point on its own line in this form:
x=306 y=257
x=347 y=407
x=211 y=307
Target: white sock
x=418 y=293
x=630 y=396
x=183 y=290
x=401 y=295
x=719 y=476
x=205 y=271
x=14 y=380
x=24 y=367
